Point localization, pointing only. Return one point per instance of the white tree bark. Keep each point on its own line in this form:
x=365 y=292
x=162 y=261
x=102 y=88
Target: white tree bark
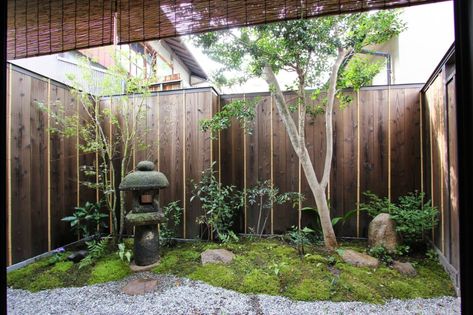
x=298 y=143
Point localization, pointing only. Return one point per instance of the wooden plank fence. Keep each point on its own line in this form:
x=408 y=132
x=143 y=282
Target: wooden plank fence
x=376 y=147
x=440 y=160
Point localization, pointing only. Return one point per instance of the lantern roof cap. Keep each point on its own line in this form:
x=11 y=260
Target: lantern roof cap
x=144 y=178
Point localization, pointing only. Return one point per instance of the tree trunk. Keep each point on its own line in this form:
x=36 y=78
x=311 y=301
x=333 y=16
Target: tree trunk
x=298 y=143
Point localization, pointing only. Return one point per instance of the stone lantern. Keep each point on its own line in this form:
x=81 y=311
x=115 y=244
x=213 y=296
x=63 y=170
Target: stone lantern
x=145 y=213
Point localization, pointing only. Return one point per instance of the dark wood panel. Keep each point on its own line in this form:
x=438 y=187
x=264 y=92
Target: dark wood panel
x=21 y=167
x=57 y=171
x=453 y=175
x=39 y=179
x=170 y=149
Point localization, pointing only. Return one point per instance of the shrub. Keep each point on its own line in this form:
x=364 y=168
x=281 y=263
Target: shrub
x=219 y=204
x=413 y=217
x=167 y=230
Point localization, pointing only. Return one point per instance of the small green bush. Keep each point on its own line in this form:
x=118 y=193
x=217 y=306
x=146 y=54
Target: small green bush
x=219 y=203
x=413 y=217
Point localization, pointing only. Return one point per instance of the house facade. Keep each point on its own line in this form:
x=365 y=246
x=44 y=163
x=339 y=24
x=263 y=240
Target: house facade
x=169 y=60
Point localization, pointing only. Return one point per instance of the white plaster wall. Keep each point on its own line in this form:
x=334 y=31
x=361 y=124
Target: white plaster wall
x=418 y=50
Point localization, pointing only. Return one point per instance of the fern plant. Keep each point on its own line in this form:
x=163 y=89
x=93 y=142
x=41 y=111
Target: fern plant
x=96 y=250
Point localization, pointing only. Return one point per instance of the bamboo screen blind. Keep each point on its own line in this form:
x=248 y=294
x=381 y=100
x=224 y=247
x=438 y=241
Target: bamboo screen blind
x=38 y=27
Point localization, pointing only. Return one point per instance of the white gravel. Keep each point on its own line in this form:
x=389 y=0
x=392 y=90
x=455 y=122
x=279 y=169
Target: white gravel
x=182 y=296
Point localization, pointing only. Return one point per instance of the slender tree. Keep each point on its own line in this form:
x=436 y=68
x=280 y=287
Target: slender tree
x=128 y=118
x=316 y=50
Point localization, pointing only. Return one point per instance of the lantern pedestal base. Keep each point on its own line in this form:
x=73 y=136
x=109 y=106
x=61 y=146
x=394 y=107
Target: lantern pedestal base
x=136 y=268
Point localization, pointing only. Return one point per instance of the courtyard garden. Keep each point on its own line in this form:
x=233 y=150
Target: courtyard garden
x=310 y=197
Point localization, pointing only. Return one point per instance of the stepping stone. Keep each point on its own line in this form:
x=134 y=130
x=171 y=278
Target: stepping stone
x=405 y=269
x=140 y=286
x=216 y=256
x=359 y=259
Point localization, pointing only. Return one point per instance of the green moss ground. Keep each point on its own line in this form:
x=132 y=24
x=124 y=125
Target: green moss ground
x=264 y=266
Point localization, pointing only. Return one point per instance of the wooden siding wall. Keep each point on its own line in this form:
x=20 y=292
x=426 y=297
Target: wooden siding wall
x=43 y=168
x=376 y=148
x=440 y=162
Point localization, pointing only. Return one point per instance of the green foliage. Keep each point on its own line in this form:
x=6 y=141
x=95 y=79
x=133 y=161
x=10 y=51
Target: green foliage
x=383 y=254
x=86 y=219
x=263 y=195
x=219 y=204
x=124 y=253
x=242 y=110
x=128 y=119
x=167 y=230
x=306 y=45
x=335 y=220
x=96 y=250
x=359 y=72
x=413 y=217
x=108 y=270
x=300 y=237
x=59 y=254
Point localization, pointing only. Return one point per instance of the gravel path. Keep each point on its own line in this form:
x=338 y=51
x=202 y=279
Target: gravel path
x=182 y=296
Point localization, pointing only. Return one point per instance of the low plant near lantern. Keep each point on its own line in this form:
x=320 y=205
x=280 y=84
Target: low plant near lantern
x=167 y=230
x=87 y=219
x=219 y=203
x=58 y=256
x=96 y=249
x=124 y=253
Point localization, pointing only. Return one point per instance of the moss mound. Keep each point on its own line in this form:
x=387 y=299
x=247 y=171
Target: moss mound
x=263 y=266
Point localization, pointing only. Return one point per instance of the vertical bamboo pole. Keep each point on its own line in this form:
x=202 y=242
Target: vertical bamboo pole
x=219 y=146
x=299 y=171
x=97 y=170
x=389 y=142
x=431 y=171
x=133 y=122
x=442 y=226
x=244 y=174
x=77 y=155
x=159 y=140
x=421 y=145
x=184 y=161
x=49 y=165
x=9 y=185
x=272 y=163
x=112 y=176
x=358 y=164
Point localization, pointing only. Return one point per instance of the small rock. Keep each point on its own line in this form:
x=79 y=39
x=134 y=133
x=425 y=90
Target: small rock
x=405 y=268
x=78 y=255
x=382 y=232
x=359 y=259
x=216 y=256
x=140 y=286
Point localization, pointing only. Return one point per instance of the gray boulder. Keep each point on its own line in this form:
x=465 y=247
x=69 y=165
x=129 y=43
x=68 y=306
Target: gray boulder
x=359 y=259
x=216 y=256
x=405 y=268
x=382 y=232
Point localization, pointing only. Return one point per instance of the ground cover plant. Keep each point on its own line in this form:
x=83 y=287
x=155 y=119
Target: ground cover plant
x=269 y=266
